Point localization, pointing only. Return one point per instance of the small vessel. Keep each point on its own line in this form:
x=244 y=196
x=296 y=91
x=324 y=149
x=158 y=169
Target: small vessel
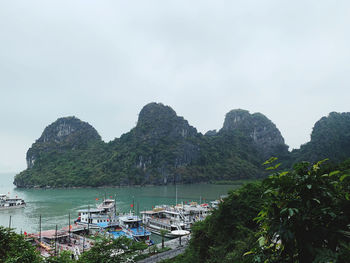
x=215 y=204
x=174 y=218
x=104 y=214
x=9 y=203
x=196 y=212
x=131 y=226
x=165 y=218
x=105 y=217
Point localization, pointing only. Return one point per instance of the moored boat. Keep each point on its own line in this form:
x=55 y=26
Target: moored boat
x=165 y=219
x=9 y=203
x=104 y=217
x=174 y=218
x=104 y=213
x=131 y=226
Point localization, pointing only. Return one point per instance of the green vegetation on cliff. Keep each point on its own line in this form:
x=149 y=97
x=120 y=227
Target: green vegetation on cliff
x=163 y=148
x=330 y=138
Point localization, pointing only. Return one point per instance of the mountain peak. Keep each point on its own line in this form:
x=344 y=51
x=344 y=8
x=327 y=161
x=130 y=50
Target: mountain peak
x=158 y=120
x=258 y=127
x=65 y=133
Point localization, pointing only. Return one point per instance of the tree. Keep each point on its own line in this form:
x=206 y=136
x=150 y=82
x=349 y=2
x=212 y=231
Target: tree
x=163 y=232
x=305 y=216
x=14 y=249
x=226 y=234
x=63 y=257
x=112 y=251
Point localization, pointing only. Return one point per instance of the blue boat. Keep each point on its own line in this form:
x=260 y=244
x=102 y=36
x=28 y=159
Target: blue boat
x=131 y=225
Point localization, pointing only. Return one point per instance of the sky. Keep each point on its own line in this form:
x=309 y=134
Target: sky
x=102 y=61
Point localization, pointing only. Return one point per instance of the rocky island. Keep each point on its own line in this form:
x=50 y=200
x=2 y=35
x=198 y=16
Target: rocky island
x=164 y=148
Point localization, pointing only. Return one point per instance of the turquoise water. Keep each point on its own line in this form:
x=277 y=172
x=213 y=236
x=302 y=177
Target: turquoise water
x=55 y=205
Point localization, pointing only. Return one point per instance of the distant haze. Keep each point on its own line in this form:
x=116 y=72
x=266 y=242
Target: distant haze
x=102 y=61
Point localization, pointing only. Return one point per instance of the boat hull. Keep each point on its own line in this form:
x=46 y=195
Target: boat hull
x=157 y=232
x=12 y=207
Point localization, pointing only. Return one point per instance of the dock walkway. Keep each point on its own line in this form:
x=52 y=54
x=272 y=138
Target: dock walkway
x=176 y=249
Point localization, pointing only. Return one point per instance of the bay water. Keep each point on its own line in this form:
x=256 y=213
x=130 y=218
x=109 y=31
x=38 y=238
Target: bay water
x=54 y=205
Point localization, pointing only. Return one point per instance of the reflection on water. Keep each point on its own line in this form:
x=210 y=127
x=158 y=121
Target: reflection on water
x=54 y=205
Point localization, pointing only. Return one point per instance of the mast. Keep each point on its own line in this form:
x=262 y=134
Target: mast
x=69 y=227
x=175 y=195
x=88 y=219
x=10 y=222
x=84 y=241
x=115 y=206
x=40 y=228
x=56 y=241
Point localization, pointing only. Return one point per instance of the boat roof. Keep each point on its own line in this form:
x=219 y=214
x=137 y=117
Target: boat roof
x=171 y=212
x=150 y=212
x=129 y=218
x=51 y=234
x=108 y=201
x=91 y=210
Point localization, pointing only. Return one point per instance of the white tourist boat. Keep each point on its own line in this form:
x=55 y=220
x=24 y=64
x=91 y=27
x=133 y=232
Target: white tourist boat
x=103 y=214
x=168 y=218
x=9 y=203
x=174 y=218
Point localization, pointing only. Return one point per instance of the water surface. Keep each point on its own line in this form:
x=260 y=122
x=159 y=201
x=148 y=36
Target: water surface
x=54 y=205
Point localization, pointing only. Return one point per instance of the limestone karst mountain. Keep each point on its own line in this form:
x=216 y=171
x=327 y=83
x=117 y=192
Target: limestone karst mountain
x=330 y=138
x=64 y=134
x=164 y=148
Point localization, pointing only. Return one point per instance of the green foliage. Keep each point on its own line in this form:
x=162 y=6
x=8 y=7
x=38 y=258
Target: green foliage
x=63 y=257
x=234 y=182
x=163 y=232
x=112 y=251
x=163 y=148
x=305 y=217
x=330 y=138
x=301 y=215
x=225 y=235
x=14 y=249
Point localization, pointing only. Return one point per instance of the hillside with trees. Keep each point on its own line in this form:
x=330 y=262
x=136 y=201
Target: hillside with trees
x=330 y=138
x=164 y=148
x=299 y=215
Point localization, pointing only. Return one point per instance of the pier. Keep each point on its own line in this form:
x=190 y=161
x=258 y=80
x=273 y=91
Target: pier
x=177 y=247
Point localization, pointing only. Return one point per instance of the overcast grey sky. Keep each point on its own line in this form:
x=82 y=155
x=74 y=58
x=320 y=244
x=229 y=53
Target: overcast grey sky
x=102 y=61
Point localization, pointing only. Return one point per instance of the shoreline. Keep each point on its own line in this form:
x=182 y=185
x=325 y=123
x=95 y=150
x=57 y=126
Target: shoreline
x=231 y=182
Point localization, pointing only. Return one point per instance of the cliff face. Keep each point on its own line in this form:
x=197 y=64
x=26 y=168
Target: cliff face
x=163 y=148
x=157 y=121
x=330 y=138
x=159 y=145
x=259 y=128
x=67 y=133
